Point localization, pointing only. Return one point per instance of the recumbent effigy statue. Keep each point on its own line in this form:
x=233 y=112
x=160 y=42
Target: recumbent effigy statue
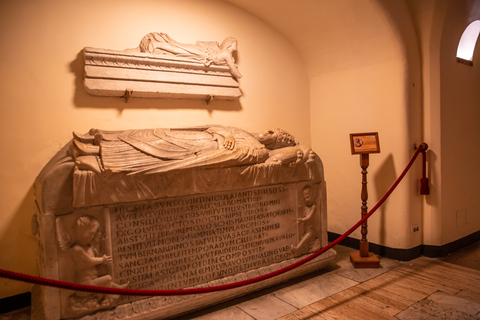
x=175 y=208
x=209 y=52
x=160 y=150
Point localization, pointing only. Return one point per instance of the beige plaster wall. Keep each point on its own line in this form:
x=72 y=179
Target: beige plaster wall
x=451 y=116
x=43 y=100
x=368 y=79
x=460 y=123
x=428 y=17
x=400 y=77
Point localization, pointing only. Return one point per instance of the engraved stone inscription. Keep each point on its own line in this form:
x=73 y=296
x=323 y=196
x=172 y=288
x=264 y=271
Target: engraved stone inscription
x=180 y=242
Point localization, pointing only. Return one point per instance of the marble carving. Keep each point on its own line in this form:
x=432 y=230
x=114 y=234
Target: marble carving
x=171 y=208
x=85 y=259
x=161 y=67
x=208 y=52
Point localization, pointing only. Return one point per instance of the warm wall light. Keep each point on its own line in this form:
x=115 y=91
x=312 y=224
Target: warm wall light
x=466 y=46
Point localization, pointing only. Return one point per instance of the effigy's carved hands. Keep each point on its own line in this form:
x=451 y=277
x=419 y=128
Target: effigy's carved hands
x=229 y=142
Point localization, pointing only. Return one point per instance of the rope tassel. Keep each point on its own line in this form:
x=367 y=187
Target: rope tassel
x=424 y=183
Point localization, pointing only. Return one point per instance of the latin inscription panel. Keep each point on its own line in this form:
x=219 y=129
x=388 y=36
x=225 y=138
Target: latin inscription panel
x=181 y=242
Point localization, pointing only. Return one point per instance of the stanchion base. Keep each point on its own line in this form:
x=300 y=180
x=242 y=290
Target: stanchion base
x=364 y=262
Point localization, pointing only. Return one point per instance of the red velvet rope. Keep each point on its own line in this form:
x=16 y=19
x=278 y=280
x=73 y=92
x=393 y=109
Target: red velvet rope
x=118 y=291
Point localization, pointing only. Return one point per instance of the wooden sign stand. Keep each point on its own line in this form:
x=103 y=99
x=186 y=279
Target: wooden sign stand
x=364 y=144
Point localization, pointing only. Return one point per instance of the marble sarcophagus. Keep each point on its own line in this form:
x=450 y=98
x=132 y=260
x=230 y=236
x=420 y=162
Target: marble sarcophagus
x=171 y=209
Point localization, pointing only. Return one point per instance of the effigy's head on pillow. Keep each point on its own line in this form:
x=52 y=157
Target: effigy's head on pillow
x=276 y=138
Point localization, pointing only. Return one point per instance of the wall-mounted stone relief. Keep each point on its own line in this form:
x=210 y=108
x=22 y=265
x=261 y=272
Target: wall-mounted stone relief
x=161 y=67
x=207 y=52
x=175 y=208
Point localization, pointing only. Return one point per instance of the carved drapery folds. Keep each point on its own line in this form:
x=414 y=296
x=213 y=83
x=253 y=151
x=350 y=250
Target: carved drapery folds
x=161 y=67
x=228 y=156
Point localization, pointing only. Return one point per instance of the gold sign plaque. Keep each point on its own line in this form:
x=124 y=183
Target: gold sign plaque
x=364 y=143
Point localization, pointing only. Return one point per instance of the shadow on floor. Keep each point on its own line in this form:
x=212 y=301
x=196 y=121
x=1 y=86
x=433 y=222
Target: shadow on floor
x=468 y=257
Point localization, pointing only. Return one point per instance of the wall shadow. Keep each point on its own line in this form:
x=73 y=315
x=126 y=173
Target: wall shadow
x=82 y=99
x=432 y=162
x=384 y=179
x=407 y=29
x=19 y=245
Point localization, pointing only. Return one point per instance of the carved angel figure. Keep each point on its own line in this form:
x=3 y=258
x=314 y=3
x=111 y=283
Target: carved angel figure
x=86 y=231
x=310 y=241
x=161 y=150
x=210 y=52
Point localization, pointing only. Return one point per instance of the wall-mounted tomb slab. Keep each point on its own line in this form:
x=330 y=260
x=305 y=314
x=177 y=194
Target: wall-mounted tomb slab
x=161 y=67
x=171 y=209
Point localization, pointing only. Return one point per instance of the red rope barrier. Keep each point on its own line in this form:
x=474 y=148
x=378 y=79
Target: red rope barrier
x=118 y=291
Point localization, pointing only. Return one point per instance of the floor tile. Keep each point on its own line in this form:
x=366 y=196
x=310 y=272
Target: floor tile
x=223 y=314
x=449 y=301
x=318 y=288
x=441 y=305
x=363 y=274
x=266 y=307
x=467 y=257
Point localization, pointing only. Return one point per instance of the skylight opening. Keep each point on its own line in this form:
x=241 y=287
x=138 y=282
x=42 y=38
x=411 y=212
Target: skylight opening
x=467 y=43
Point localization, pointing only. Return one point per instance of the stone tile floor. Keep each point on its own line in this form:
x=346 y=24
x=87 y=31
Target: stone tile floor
x=295 y=294
x=281 y=300
x=290 y=296
x=441 y=305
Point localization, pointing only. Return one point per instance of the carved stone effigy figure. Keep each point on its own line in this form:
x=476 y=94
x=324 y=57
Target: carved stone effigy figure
x=210 y=52
x=161 y=150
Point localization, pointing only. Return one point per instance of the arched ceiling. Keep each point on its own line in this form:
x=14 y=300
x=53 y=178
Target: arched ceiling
x=330 y=35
